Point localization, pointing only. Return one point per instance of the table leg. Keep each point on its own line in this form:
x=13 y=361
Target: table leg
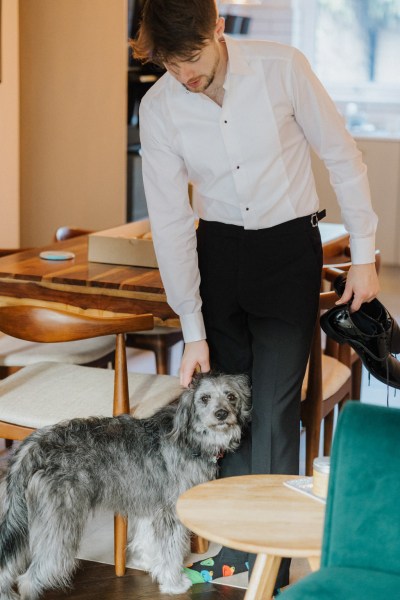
x=314 y=562
x=263 y=577
x=120 y=540
x=198 y=545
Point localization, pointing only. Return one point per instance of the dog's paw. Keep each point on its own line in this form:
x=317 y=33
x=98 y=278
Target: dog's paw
x=178 y=586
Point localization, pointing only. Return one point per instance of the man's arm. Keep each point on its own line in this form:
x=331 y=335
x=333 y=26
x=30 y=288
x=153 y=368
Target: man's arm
x=325 y=130
x=173 y=229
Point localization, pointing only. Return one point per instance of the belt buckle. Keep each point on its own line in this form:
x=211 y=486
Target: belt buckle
x=314 y=220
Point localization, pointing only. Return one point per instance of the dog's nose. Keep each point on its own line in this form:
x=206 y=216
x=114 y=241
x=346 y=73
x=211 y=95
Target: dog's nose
x=221 y=414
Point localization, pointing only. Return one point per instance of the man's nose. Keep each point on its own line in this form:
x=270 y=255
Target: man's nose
x=186 y=72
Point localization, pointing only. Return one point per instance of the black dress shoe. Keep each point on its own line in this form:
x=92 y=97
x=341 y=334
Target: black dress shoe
x=375 y=311
x=370 y=334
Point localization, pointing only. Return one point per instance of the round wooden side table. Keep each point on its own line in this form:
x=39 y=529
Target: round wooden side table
x=260 y=515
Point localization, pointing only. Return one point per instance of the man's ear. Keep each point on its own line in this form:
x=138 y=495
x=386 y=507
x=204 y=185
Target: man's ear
x=220 y=27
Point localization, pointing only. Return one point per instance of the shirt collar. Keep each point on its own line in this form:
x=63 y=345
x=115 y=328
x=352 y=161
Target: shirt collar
x=237 y=63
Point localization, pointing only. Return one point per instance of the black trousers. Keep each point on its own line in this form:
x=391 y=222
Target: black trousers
x=260 y=293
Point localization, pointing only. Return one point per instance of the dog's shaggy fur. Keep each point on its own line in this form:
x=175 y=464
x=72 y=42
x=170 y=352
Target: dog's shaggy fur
x=61 y=473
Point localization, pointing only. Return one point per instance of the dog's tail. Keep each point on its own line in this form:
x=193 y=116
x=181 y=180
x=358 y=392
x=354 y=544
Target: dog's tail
x=14 y=524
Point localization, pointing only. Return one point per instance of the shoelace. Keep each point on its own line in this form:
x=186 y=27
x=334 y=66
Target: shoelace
x=387 y=378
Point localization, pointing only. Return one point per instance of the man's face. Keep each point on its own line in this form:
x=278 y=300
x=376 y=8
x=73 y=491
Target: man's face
x=197 y=72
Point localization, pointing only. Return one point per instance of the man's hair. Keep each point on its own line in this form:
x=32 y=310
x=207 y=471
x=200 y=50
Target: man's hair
x=173 y=29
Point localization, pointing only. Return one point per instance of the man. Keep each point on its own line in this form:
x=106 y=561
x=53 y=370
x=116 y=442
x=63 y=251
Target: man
x=237 y=119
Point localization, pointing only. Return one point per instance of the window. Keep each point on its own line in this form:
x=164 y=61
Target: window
x=358 y=41
x=354 y=47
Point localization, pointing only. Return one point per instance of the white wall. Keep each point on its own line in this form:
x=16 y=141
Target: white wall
x=73 y=62
x=9 y=127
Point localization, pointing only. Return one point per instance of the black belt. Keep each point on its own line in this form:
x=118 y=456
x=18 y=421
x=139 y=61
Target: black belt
x=315 y=217
x=286 y=226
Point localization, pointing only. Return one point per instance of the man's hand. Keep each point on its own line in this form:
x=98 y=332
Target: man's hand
x=195 y=354
x=362 y=283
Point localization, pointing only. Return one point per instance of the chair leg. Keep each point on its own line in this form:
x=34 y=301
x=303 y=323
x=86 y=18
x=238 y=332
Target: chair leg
x=328 y=432
x=120 y=542
x=163 y=359
x=120 y=406
x=313 y=432
x=356 y=372
x=343 y=402
x=6 y=372
x=162 y=365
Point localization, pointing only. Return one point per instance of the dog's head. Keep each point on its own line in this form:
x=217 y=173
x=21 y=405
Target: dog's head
x=213 y=411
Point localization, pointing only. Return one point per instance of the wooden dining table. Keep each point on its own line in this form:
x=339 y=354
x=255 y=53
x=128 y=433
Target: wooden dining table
x=27 y=278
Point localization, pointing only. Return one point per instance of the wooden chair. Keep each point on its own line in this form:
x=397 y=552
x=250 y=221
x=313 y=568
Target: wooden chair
x=327 y=384
x=66 y=233
x=333 y=374
x=45 y=393
x=159 y=340
x=15 y=353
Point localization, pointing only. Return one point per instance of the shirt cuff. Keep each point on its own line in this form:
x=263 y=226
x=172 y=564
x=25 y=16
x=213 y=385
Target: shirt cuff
x=362 y=250
x=193 y=327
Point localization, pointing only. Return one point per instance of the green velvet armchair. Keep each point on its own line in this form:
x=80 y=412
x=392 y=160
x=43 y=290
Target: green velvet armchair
x=361 y=541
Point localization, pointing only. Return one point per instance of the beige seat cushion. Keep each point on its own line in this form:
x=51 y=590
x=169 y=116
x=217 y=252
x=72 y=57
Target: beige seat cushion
x=335 y=374
x=19 y=353
x=46 y=393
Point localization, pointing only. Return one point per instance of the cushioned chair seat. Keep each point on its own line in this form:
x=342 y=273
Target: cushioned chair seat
x=337 y=583
x=46 y=393
x=335 y=374
x=19 y=353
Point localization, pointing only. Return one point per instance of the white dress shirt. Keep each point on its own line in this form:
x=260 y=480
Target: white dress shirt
x=249 y=161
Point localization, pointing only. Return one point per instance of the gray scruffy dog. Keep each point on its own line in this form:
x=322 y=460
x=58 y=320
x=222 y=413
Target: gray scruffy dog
x=59 y=474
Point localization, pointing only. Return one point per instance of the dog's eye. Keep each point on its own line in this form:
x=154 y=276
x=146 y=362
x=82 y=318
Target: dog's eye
x=205 y=398
x=231 y=397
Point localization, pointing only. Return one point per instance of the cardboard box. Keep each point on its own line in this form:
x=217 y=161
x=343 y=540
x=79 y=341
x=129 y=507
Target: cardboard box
x=123 y=245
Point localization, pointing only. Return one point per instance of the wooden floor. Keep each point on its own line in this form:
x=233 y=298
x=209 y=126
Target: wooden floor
x=95 y=581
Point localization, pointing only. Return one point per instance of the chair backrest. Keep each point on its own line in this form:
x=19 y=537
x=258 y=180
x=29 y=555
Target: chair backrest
x=362 y=523
x=39 y=324
x=66 y=233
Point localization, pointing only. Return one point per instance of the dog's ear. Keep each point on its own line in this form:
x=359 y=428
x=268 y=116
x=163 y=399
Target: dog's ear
x=183 y=415
x=196 y=379
x=243 y=385
x=198 y=376
x=243 y=382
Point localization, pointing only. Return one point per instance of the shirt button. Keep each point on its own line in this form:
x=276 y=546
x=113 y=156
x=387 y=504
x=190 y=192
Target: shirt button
x=247 y=208
x=225 y=121
x=238 y=167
